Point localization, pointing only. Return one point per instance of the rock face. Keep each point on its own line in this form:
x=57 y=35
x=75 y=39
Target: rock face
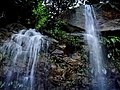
x=107 y=20
x=75 y=17
x=7 y=31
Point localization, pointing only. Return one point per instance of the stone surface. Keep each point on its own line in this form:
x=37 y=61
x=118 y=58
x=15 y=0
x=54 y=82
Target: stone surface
x=58 y=52
x=7 y=31
x=107 y=21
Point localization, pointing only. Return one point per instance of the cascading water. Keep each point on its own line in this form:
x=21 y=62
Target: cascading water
x=95 y=50
x=23 y=50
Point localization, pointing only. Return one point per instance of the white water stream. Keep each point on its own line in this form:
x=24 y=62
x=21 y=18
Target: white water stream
x=96 y=57
x=23 y=50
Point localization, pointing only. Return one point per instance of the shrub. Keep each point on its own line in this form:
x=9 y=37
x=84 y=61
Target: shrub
x=40 y=12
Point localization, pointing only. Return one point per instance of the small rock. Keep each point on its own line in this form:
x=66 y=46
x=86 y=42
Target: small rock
x=53 y=66
x=66 y=59
x=62 y=46
x=113 y=70
x=76 y=56
x=52 y=40
x=57 y=51
x=1 y=57
x=73 y=62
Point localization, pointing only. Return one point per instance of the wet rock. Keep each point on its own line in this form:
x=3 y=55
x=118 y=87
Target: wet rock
x=56 y=75
x=62 y=47
x=113 y=70
x=85 y=82
x=117 y=82
x=69 y=74
x=1 y=57
x=107 y=20
x=76 y=56
x=110 y=25
x=65 y=70
x=66 y=59
x=76 y=34
x=53 y=67
x=73 y=63
x=57 y=51
x=52 y=40
x=7 y=31
x=15 y=27
x=4 y=34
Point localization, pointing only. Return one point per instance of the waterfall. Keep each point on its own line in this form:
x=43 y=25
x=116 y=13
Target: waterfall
x=23 y=50
x=95 y=50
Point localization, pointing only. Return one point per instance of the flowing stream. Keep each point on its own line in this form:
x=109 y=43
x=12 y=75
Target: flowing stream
x=23 y=50
x=95 y=50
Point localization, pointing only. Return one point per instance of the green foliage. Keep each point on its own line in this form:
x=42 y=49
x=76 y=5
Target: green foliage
x=113 y=50
x=112 y=40
x=53 y=26
x=72 y=40
x=40 y=12
x=58 y=33
x=56 y=30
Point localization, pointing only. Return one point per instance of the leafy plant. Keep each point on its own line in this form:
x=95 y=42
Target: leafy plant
x=52 y=26
x=40 y=12
x=113 y=50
